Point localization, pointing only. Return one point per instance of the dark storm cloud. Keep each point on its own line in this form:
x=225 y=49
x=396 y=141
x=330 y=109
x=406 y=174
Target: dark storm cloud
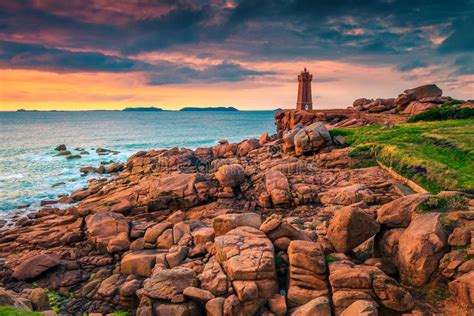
x=33 y=56
x=399 y=32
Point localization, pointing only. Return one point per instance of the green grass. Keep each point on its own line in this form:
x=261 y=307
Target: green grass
x=9 y=311
x=445 y=112
x=436 y=155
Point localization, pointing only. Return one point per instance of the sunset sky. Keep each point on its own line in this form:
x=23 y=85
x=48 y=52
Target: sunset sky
x=107 y=54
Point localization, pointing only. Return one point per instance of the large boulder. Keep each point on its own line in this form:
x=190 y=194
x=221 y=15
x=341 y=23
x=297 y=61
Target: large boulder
x=463 y=290
x=420 y=248
x=108 y=228
x=169 y=283
x=277 y=187
x=319 y=306
x=177 y=191
x=12 y=299
x=311 y=139
x=307 y=272
x=247 y=256
x=213 y=278
x=230 y=175
x=351 y=283
x=398 y=212
x=429 y=90
x=224 y=223
x=416 y=107
x=224 y=150
x=34 y=266
x=247 y=146
x=349 y=227
x=347 y=195
x=139 y=262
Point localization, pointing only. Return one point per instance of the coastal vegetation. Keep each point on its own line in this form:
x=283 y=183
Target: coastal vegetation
x=438 y=155
x=443 y=113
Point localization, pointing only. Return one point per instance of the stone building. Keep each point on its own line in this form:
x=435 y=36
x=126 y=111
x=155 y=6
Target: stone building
x=305 y=100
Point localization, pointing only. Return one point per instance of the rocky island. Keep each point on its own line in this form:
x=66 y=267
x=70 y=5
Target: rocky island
x=303 y=222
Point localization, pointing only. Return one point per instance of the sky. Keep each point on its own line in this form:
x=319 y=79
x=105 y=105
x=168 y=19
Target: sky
x=107 y=54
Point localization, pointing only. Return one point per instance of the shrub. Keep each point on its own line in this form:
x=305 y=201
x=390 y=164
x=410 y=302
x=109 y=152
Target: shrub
x=443 y=113
x=453 y=102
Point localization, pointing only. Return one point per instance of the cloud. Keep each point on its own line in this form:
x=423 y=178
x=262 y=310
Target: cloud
x=95 y=36
x=32 y=56
x=223 y=72
x=462 y=39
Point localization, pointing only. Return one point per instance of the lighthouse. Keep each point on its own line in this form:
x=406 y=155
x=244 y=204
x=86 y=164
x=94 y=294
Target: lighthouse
x=305 y=100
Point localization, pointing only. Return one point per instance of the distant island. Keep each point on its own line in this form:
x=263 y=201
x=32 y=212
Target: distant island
x=220 y=108
x=142 y=109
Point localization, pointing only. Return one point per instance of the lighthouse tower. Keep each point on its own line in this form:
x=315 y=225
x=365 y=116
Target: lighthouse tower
x=305 y=100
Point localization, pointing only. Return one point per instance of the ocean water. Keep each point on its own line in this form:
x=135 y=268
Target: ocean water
x=28 y=169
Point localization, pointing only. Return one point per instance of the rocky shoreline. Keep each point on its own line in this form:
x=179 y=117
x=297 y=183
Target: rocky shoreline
x=289 y=224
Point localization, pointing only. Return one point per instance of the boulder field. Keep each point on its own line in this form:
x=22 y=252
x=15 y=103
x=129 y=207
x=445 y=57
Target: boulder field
x=285 y=225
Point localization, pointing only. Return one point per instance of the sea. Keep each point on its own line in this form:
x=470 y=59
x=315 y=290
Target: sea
x=30 y=173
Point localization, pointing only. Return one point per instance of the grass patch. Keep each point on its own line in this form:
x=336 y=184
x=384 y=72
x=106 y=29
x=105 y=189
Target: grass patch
x=329 y=259
x=10 y=311
x=122 y=313
x=436 y=155
x=443 y=113
x=443 y=204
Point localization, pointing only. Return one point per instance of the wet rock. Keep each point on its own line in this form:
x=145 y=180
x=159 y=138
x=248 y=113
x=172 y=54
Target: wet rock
x=69 y=157
x=350 y=227
x=61 y=147
x=34 y=266
x=63 y=153
x=420 y=248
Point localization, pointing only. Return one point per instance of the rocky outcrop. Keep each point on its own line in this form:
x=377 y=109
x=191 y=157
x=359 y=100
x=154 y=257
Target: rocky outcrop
x=420 y=248
x=350 y=227
x=35 y=266
x=242 y=229
x=307 y=272
x=411 y=101
x=351 y=283
x=247 y=256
